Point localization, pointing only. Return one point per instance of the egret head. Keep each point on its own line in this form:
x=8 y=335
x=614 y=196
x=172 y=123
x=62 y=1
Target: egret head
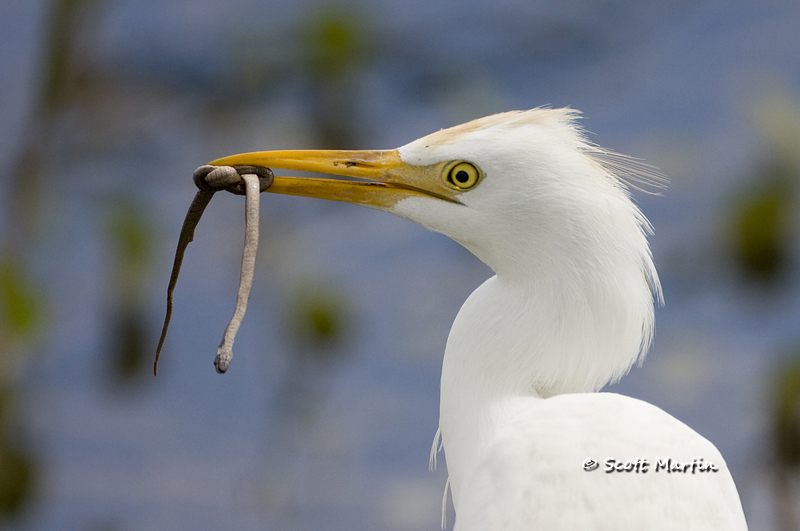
x=517 y=189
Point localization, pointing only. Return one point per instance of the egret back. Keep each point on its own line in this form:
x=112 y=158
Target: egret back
x=531 y=474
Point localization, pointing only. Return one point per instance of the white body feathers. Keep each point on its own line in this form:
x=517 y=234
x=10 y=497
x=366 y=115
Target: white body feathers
x=530 y=475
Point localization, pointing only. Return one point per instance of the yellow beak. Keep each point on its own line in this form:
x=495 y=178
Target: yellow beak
x=389 y=179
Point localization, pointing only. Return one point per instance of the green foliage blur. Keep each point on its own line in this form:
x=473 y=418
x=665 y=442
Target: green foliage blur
x=130 y=244
x=319 y=319
x=21 y=307
x=334 y=43
x=762 y=224
x=21 y=320
x=760 y=233
x=22 y=302
x=327 y=53
x=787 y=413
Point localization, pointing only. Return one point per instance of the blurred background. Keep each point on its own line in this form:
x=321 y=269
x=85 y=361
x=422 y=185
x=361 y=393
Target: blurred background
x=326 y=417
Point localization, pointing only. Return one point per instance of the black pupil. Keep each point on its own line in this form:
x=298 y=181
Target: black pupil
x=462 y=176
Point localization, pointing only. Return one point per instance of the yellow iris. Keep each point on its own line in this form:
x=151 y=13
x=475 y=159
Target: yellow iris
x=463 y=176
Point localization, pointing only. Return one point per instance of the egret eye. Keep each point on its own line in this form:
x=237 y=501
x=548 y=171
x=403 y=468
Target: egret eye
x=463 y=176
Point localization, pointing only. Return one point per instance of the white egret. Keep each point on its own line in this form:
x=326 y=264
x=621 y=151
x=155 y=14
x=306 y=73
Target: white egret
x=569 y=310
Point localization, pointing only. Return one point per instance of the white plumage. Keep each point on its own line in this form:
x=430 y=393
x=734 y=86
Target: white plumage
x=528 y=473
x=569 y=310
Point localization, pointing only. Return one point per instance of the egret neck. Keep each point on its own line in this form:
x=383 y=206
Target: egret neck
x=514 y=338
